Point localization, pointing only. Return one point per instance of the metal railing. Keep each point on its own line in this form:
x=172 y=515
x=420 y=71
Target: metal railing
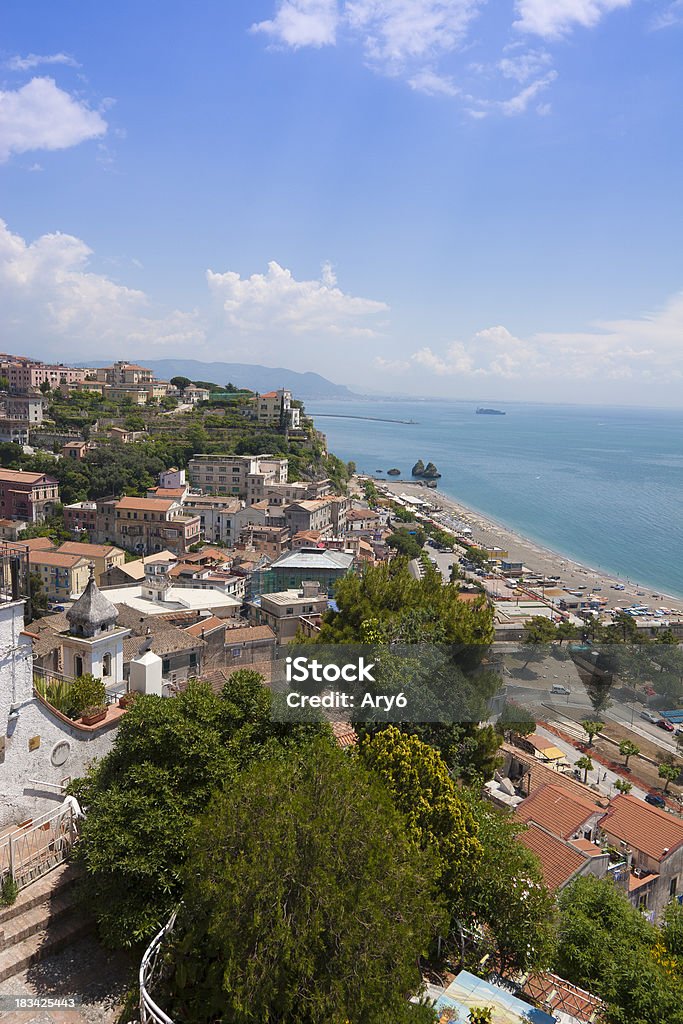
x=152 y=970
x=30 y=852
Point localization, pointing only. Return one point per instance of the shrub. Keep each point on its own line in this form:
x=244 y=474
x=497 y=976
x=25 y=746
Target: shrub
x=86 y=692
x=8 y=891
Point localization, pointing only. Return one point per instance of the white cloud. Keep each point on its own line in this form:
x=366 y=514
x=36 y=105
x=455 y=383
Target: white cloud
x=51 y=301
x=391 y=365
x=519 y=103
x=302 y=23
x=397 y=31
x=670 y=16
x=34 y=60
x=40 y=115
x=523 y=66
x=276 y=301
x=552 y=19
x=433 y=84
x=646 y=347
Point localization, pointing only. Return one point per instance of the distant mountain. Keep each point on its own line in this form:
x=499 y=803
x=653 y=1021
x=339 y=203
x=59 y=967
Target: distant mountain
x=246 y=375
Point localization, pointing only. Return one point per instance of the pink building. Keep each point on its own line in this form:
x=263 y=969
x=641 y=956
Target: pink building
x=27 y=496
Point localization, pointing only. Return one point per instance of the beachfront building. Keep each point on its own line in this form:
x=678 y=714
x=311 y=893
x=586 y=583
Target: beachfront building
x=275 y=409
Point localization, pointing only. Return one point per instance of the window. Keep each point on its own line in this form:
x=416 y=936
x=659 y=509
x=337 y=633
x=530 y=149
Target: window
x=78 y=665
x=165 y=665
x=236 y=652
x=672 y=887
x=290 y=611
x=106 y=664
x=642 y=902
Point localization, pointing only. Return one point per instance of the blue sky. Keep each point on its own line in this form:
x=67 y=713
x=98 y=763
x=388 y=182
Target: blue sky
x=467 y=198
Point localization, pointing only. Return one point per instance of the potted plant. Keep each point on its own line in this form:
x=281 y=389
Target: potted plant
x=126 y=700
x=86 y=692
x=94 y=714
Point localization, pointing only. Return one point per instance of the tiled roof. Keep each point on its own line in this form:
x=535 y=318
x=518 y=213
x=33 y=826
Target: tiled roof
x=319 y=559
x=60 y=561
x=206 y=626
x=538 y=774
x=163 y=642
x=33 y=544
x=167 y=492
x=645 y=828
x=560 y=812
x=73 y=547
x=559 y=996
x=559 y=860
x=344 y=733
x=145 y=504
x=245 y=634
x=20 y=476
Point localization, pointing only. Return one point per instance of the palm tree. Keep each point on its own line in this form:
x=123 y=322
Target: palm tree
x=628 y=749
x=586 y=766
x=592 y=727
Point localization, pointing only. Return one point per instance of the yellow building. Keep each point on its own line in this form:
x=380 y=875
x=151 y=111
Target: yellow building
x=64 y=577
x=103 y=556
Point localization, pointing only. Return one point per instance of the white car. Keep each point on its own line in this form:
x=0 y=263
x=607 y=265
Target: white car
x=648 y=716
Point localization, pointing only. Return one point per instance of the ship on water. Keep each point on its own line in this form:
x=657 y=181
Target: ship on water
x=490 y=412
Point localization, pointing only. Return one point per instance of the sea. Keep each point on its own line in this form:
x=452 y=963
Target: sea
x=603 y=486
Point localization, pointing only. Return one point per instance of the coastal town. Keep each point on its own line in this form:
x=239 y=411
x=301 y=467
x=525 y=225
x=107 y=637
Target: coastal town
x=163 y=546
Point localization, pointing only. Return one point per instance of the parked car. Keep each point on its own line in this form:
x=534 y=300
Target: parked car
x=648 y=716
x=655 y=799
x=664 y=724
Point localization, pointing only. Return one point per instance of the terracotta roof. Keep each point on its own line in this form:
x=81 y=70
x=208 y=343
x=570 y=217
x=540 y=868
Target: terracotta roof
x=167 y=492
x=559 y=996
x=539 y=774
x=145 y=504
x=559 y=860
x=560 y=812
x=206 y=626
x=587 y=847
x=207 y=554
x=344 y=733
x=307 y=535
x=643 y=827
x=245 y=634
x=73 y=547
x=37 y=544
x=20 y=476
x=169 y=640
x=60 y=561
x=269 y=394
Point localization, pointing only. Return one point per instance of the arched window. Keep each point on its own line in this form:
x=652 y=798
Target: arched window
x=106 y=664
x=78 y=665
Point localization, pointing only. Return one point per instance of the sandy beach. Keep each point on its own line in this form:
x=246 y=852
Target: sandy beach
x=489 y=533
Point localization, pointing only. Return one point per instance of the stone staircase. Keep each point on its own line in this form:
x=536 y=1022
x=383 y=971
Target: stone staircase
x=44 y=919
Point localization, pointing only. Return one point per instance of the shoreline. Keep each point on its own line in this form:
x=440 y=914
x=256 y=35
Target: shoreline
x=537 y=556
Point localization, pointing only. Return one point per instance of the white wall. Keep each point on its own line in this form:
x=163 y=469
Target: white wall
x=20 y=766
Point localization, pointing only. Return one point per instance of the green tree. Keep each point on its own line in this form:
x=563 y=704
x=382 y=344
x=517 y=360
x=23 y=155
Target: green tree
x=592 y=727
x=669 y=772
x=169 y=756
x=480 y=1015
x=37 y=595
x=504 y=894
x=538 y=633
x=606 y=946
x=422 y=789
x=304 y=899
x=406 y=543
x=585 y=765
x=627 y=749
x=672 y=928
x=515 y=719
x=623 y=786
x=180 y=382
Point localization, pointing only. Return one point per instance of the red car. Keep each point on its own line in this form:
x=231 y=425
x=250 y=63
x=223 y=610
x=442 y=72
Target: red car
x=663 y=724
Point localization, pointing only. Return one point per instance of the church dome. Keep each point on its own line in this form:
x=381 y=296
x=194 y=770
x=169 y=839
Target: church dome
x=92 y=613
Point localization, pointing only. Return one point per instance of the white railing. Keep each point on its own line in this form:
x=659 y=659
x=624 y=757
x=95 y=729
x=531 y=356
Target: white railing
x=152 y=968
x=28 y=853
